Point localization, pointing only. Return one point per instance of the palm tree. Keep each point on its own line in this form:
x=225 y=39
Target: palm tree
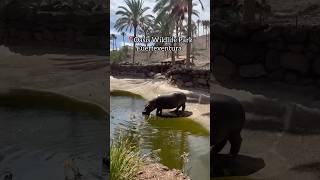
x=198 y=22
x=206 y=24
x=112 y=37
x=131 y=17
x=177 y=9
x=115 y=41
x=123 y=34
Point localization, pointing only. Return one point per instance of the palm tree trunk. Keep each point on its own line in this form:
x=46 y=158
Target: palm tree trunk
x=177 y=29
x=134 y=44
x=112 y=44
x=206 y=36
x=172 y=55
x=124 y=43
x=189 y=33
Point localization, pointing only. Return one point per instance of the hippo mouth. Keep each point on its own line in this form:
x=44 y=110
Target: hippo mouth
x=145 y=113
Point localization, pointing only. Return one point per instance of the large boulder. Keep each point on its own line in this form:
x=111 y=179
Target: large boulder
x=223 y=67
x=272 y=60
x=240 y=53
x=252 y=71
x=295 y=61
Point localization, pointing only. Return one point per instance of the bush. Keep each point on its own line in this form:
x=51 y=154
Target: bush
x=125 y=160
x=119 y=55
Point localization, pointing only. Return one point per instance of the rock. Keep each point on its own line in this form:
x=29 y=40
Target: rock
x=223 y=67
x=313 y=47
x=48 y=35
x=294 y=36
x=278 y=45
x=316 y=66
x=276 y=75
x=291 y=78
x=272 y=61
x=159 y=76
x=38 y=36
x=310 y=121
x=297 y=48
x=307 y=81
x=240 y=53
x=151 y=74
x=188 y=84
x=295 y=61
x=179 y=82
x=202 y=81
x=252 y=71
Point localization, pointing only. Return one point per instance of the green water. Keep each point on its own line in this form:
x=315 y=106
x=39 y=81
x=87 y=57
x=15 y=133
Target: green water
x=172 y=136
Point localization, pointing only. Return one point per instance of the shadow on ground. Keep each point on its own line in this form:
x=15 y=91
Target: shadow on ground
x=224 y=165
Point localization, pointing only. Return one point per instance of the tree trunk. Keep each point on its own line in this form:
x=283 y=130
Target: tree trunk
x=124 y=43
x=206 y=37
x=134 y=44
x=177 y=34
x=172 y=55
x=189 y=33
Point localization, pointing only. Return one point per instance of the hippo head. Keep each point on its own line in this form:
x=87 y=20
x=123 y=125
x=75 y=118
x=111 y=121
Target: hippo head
x=149 y=107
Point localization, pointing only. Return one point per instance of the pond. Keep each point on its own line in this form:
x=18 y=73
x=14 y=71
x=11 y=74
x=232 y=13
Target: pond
x=37 y=143
x=173 y=136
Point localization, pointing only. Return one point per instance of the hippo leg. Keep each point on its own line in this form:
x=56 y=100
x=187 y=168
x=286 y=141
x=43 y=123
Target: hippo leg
x=235 y=141
x=159 y=112
x=183 y=106
x=177 y=109
x=217 y=148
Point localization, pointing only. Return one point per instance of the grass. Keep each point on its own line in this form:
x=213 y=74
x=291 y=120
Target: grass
x=125 y=160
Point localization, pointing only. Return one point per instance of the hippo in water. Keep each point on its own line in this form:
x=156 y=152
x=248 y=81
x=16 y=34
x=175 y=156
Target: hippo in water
x=228 y=117
x=168 y=101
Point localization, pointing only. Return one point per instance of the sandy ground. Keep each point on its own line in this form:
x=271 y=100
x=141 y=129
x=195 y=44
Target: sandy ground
x=149 y=88
x=83 y=77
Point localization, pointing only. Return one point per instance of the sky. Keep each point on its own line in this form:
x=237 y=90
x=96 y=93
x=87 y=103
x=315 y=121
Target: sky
x=114 y=4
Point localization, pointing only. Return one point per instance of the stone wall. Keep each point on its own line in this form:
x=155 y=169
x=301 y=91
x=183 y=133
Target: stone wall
x=276 y=53
x=138 y=70
x=83 y=31
x=177 y=75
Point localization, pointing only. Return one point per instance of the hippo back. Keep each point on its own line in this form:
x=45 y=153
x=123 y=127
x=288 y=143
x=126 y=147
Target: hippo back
x=227 y=115
x=170 y=101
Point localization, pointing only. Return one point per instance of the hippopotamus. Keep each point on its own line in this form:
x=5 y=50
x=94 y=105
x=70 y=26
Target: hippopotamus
x=228 y=118
x=168 y=101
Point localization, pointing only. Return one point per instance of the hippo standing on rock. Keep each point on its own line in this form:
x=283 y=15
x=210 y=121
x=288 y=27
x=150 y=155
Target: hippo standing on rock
x=169 y=101
x=228 y=117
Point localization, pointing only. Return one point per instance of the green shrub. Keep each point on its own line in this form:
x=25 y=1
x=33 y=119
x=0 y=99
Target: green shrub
x=120 y=54
x=125 y=160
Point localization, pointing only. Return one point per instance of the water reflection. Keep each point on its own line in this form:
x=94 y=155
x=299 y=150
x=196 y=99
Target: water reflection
x=173 y=136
